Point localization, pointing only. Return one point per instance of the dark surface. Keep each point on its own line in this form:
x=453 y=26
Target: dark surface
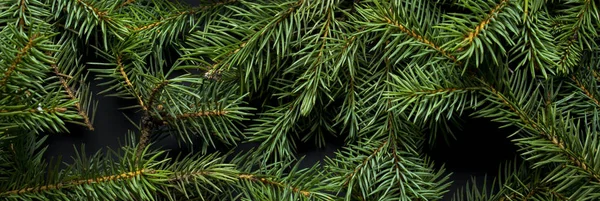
x=479 y=149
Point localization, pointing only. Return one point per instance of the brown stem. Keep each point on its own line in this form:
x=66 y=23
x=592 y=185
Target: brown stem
x=126 y=3
x=96 y=11
x=47 y=110
x=420 y=38
x=126 y=175
x=72 y=96
x=273 y=183
x=190 y=12
x=22 y=52
x=22 y=6
x=364 y=163
x=471 y=35
x=585 y=90
x=128 y=82
x=147 y=126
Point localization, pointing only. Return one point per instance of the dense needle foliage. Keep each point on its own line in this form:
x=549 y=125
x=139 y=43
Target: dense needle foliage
x=381 y=74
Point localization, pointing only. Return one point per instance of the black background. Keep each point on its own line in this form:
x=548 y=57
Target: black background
x=479 y=148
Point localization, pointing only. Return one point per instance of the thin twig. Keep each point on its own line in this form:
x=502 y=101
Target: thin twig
x=19 y=57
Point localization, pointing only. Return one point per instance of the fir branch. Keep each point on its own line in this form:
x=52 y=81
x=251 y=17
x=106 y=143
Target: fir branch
x=182 y=177
x=596 y=74
x=585 y=90
x=254 y=37
x=201 y=114
x=163 y=21
x=21 y=19
x=364 y=163
x=70 y=184
x=551 y=138
x=217 y=3
x=573 y=38
x=144 y=140
x=156 y=90
x=481 y=35
x=267 y=181
x=72 y=96
x=97 y=12
x=20 y=54
x=482 y=24
x=532 y=190
x=126 y=2
x=37 y=110
x=443 y=91
x=179 y=14
x=421 y=38
x=128 y=83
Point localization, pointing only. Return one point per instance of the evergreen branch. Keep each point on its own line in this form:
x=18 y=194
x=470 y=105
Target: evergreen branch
x=163 y=21
x=573 y=37
x=20 y=54
x=22 y=7
x=532 y=190
x=71 y=95
x=25 y=15
x=91 y=17
x=156 y=90
x=443 y=91
x=585 y=90
x=127 y=2
x=37 y=110
x=482 y=24
x=128 y=83
x=481 y=35
x=428 y=91
x=421 y=38
x=267 y=181
x=97 y=12
x=69 y=184
x=179 y=14
x=551 y=138
x=364 y=163
x=535 y=44
x=144 y=140
x=310 y=82
x=147 y=123
x=188 y=175
x=596 y=74
x=200 y=114
x=255 y=36
x=194 y=106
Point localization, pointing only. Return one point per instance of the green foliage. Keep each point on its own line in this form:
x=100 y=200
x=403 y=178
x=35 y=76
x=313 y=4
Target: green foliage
x=279 y=73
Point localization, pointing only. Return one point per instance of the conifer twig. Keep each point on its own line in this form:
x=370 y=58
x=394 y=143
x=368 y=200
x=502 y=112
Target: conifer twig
x=179 y=14
x=127 y=2
x=254 y=178
x=19 y=57
x=553 y=139
x=96 y=11
x=497 y=9
x=585 y=90
x=22 y=7
x=72 y=96
x=37 y=110
x=128 y=82
x=420 y=38
x=364 y=163
x=68 y=184
x=573 y=38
